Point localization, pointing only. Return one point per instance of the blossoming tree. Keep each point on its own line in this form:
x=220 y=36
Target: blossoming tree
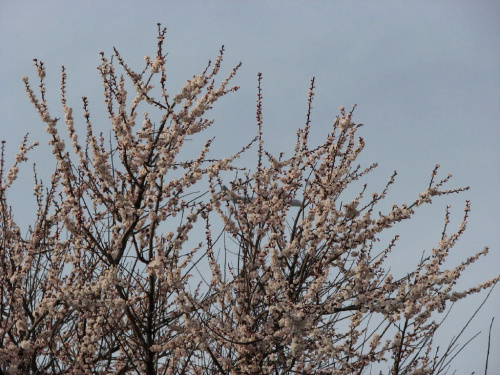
x=286 y=277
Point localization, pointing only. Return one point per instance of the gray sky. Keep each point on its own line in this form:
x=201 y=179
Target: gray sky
x=425 y=76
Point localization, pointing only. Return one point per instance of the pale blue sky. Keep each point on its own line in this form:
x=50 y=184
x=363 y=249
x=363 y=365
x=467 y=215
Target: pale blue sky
x=425 y=76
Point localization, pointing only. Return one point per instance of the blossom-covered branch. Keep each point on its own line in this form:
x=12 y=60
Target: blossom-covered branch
x=142 y=261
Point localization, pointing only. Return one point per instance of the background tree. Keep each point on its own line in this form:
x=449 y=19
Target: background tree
x=287 y=279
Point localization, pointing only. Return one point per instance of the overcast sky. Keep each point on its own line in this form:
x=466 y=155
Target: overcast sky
x=424 y=74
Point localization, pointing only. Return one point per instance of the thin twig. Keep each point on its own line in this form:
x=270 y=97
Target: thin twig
x=488 y=351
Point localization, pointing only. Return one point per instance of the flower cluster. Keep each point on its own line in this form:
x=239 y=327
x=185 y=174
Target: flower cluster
x=113 y=276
